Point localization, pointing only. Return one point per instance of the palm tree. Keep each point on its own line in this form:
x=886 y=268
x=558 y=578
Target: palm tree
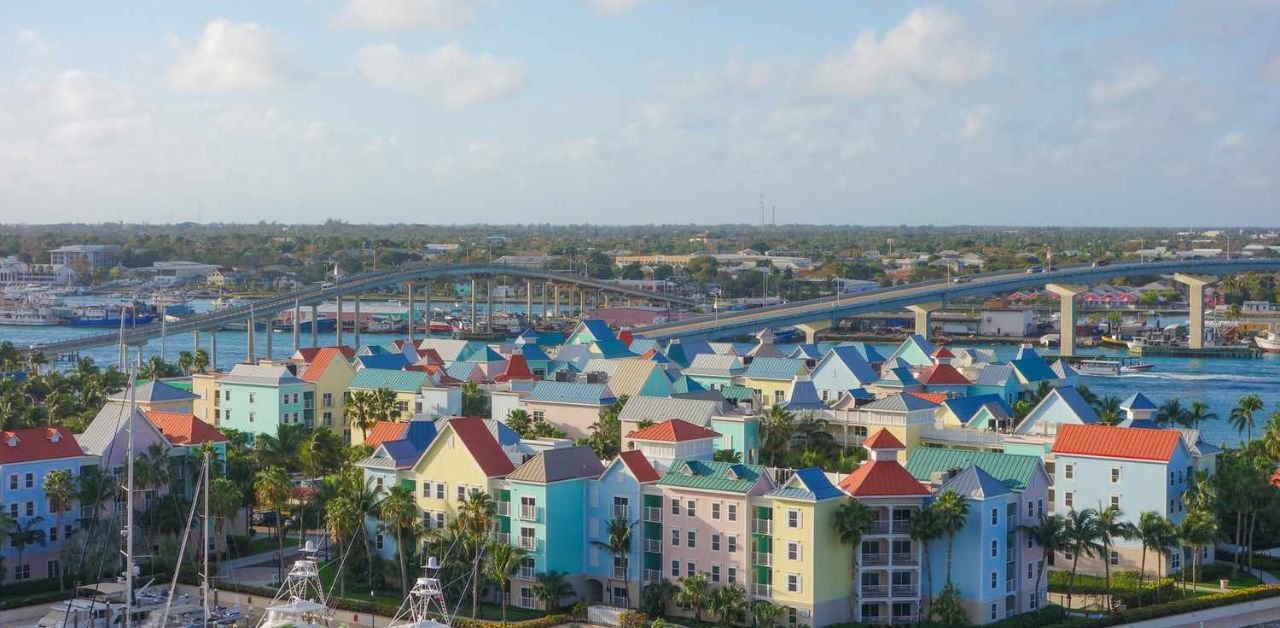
x=1199 y=528
x=729 y=604
x=1110 y=527
x=200 y=360
x=185 y=358
x=953 y=513
x=1201 y=493
x=695 y=591
x=364 y=497
x=94 y=488
x=550 y=587
x=852 y=520
x=1170 y=412
x=504 y=560
x=282 y=449
x=1155 y=532
x=360 y=411
x=1109 y=412
x=776 y=430
x=23 y=533
x=384 y=405
x=1050 y=535
x=925 y=528
x=1083 y=537
x=399 y=513
x=619 y=546
x=274 y=488
x=60 y=488
x=475 y=521
x=1199 y=413
x=225 y=500
x=1242 y=415
x=765 y=614
x=342 y=521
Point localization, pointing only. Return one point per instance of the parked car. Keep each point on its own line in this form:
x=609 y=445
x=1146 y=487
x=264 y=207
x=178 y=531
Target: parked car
x=1035 y=269
x=1102 y=262
x=961 y=279
x=264 y=518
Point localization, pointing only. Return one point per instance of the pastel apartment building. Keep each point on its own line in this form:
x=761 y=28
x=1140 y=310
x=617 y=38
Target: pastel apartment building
x=569 y=406
x=330 y=373
x=258 y=398
x=620 y=494
x=808 y=565
x=27 y=456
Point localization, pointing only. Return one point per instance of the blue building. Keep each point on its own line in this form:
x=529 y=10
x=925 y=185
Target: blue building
x=619 y=496
x=27 y=456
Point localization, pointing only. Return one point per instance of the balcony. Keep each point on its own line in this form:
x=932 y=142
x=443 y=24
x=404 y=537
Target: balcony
x=619 y=572
x=874 y=591
x=762 y=590
x=530 y=513
x=763 y=559
x=1010 y=585
x=875 y=559
x=526 y=573
x=762 y=526
x=896 y=620
x=652 y=575
x=621 y=512
x=652 y=514
x=503 y=538
x=878 y=526
x=528 y=543
x=909 y=558
x=502 y=509
x=653 y=546
x=904 y=590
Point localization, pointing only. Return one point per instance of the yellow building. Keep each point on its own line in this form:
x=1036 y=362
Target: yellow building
x=810 y=567
x=772 y=378
x=902 y=414
x=205 y=387
x=463 y=457
x=331 y=373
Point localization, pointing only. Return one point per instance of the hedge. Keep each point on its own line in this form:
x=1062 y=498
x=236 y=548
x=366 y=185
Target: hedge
x=1178 y=607
x=35 y=598
x=546 y=621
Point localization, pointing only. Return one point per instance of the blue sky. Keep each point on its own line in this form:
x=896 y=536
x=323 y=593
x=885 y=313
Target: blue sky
x=1065 y=112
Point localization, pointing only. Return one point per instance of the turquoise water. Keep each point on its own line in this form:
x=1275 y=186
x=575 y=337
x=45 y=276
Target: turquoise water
x=1217 y=382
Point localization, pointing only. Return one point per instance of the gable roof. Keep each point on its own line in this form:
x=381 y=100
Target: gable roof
x=974 y=483
x=869 y=352
x=576 y=393
x=712 y=365
x=383 y=431
x=321 y=360
x=398 y=381
x=673 y=431
x=897 y=377
x=611 y=349
x=479 y=353
x=1033 y=369
x=37 y=443
x=965 y=408
x=809 y=484
x=1063 y=370
x=683 y=353
x=806 y=351
x=533 y=352
x=112 y=419
x=942 y=352
x=881 y=478
x=803 y=396
x=853 y=360
x=656 y=409
x=883 y=439
x=596 y=328
x=1138 y=401
x=708 y=475
x=915 y=349
x=185 y=429
x=484 y=448
x=1134 y=443
x=383 y=361
x=154 y=391
x=630 y=376
x=639 y=466
x=899 y=402
x=684 y=384
x=259 y=375
x=942 y=375
x=517 y=368
x=774 y=368
x=932 y=397
x=1013 y=470
x=993 y=375
x=556 y=465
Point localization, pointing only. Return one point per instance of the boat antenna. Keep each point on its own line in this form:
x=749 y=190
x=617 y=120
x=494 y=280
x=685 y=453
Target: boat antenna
x=204 y=580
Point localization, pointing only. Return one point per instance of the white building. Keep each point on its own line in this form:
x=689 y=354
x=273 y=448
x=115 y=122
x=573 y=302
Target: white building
x=1019 y=323
x=91 y=255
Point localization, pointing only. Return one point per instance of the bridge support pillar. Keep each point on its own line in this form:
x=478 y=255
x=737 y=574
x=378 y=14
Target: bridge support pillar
x=1067 y=318
x=555 y=294
x=811 y=329
x=544 y=301
x=355 y=325
x=474 y=324
x=250 y=328
x=528 y=300
x=315 y=326
x=488 y=305
x=195 y=342
x=408 y=287
x=338 y=328
x=270 y=333
x=297 y=326
x=922 y=312
x=213 y=350
x=427 y=305
x=1195 y=302
x=582 y=303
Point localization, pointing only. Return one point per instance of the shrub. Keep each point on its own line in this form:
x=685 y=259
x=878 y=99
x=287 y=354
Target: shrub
x=1048 y=615
x=632 y=619
x=1177 y=607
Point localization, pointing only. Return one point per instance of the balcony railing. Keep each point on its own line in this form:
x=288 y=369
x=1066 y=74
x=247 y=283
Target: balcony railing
x=652 y=575
x=653 y=546
x=762 y=590
x=621 y=512
x=1010 y=585
x=909 y=558
x=528 y=543
x=874 y=590
x=653 y=514
x=764 y=559
x=896 y=620
x=504 y=538
x=903 y=590
x=878 y=526
x=529 y=513
x=619 y=572
x=762 y=526
x=526 y=573
x=502 y=509
x=875 y=559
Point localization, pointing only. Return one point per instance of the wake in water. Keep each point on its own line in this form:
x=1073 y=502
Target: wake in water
x=1206 y=377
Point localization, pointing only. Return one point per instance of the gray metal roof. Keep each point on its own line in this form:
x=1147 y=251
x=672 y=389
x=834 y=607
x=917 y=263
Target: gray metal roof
x=555 y=465
x=712 y=365
x=260 y=375
x=993 y=375
x=975 y=483
x=658 y=409
x=154 y=392
x=112 y=419
x=900 y=403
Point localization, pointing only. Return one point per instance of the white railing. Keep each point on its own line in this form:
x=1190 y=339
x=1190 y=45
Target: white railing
x=621 y=512
x=903 y=590
x=879 y=526
x=502 y=509
x=875 y=559
x=530 y=513
x=528 y=543
x=652 y=575
x=764 y=559
x=906 y=559
x=762 y=526
x=619 y=572
x=870 y=590
x=653 y=546
x=762 y=590
x=653 y=514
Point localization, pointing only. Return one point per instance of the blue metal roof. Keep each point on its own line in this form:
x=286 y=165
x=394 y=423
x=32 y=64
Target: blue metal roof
x=683 y=384
x=461 y=370
x=815 y=483
x=385 y=361
x=804 y=396
x=899 y=402
x=479 y=353
x=420 y=433
x=682 y=353
x=975 y=483
x=805 y=351
x=898 y=377
x=1138 y=401
x=403 y=452
x=1034 y=369
x=571 y=392
x=533 y=352
x=1077 y=404
x=869 y=352
x=1026 y=351
x=640 y=346
x=611 y=348
x=853 y=360
x=966 y=407
x=774 y=368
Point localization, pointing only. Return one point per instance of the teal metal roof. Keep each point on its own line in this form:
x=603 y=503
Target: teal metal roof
x=571 y=392
x=738 y=393
x=712 y=476
x=1013 y=470
x=774 y=368
x=399 y=381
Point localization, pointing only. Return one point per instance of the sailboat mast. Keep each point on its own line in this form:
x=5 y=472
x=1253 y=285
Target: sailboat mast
x=128 y=526
x=205 y=580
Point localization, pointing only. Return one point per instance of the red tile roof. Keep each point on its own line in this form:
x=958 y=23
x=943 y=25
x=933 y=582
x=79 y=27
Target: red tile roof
x=639 y=466
x=307 y=354
x=517 y=368
x=934 y=398
x=883 y=439
x=384 y=431
x=673 y=431
x=185 y=429
x=943 y=352
x=943 y=374
x=37 y=444
x=321 y=361
x=484 y=448
x=882 y=478
x=1137 y=443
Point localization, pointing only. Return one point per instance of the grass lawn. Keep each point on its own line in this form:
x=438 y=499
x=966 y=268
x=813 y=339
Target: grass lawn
x=262 y=544
x=392 y=597
x=1241 y=581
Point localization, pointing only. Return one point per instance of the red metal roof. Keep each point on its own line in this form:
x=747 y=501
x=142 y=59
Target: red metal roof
x=185 y=429
x=384 y=431
x=881 y=478
x=943 y=352
x=625 y=337
x=1136 y=443
x=934 y=398
x=429 y=356
x=321 y=361
x=942 y=374
x=883 y=439
x=484 y=448
x=37 y=443
x=673 y=431
x=639 y=466
x=517 y=368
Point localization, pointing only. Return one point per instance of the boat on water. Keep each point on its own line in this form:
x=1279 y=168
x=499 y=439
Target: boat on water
x=384 y=326
x=111 y=316
x=102 y=605
x=1050 y=340
x=440 y=327
x=1268 y=341
x=1112 y=367
x=301 y=601
x=28 y=316
x=1113 y=341
x=171 y=304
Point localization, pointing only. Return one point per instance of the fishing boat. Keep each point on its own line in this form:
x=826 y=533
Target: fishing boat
x=28 y=316
x=1113 y=341
x=440 y=327
x=301 y=601
x=1050 y=340
x=111 y=316
x=384 y=326
x=1268 y=341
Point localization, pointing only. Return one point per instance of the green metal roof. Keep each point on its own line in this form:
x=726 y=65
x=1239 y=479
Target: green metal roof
x=712 y=476
x=398 y=381
x=738 y=392
x=1013 y=470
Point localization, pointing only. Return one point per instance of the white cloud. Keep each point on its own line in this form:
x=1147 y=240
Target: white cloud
x=1124 y=81
x=1271 y=71
x=581 y=150
x=1231 y=139
x=929 y=49
x=447 y=74
x=614 y=7
x=231 y=56
x=974 y=124
x=35 y=44
x=396 y=15
x=91 y=110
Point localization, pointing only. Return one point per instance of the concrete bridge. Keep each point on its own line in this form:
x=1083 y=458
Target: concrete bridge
x=553 y=284
x=814 y=315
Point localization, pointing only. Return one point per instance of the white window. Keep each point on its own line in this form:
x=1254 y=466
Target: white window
x=1030 y=570
x=793 y=583
x=690 y=568
x=1115 y=558
x=691 y=507
x=1031 y=509
x=715 y=510
x=53 y=533
x=1069 y=471
x=440 y=519
x=793 y=518
x=715 y=573
x=426 y=488
x=13 y=481
x=675 y=569
x=1069 y=499
x=31 y=509
x=30 y=480
x=995 y=516
x=377 y=481
x=675 y=537
x=691 y=538
x=441 y=487
x=675 y=506
x=715 y=542
x=1175 y=561
x=327 y=400
x=252 y=415
x=1115 y=501
x=994 y=578
x=733 y=512
x=793 y=550
x=733 y=575
x=733 y=544
x=462 y=493
x=1115 y=475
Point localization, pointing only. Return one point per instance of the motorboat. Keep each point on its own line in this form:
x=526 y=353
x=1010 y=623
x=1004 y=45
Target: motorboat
x=28 y=316
x=1111 y=367
x=301 y=601
x=1268 y=341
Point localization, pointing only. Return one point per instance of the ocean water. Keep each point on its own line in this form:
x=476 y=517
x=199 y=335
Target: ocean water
x=1218 y=382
